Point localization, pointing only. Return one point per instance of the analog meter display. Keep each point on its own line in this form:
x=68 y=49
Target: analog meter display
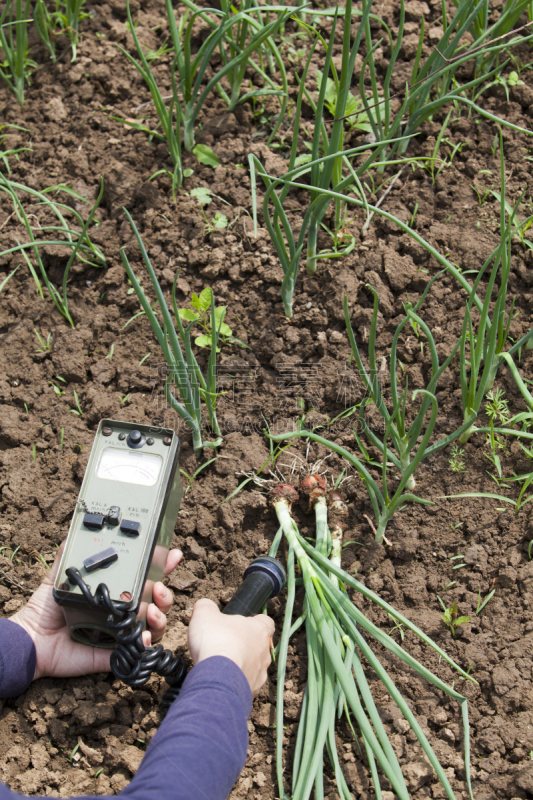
x=129 y=466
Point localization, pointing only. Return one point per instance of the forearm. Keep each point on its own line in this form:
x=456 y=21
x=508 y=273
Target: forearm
x=17 y=659
x=200 y=749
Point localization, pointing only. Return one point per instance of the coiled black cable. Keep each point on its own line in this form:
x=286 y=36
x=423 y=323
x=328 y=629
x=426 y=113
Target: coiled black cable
x=133 y=663
x=131 y=660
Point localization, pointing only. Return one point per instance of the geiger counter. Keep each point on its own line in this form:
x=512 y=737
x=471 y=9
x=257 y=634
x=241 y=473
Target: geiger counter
x=117 y=548
x=122 y=527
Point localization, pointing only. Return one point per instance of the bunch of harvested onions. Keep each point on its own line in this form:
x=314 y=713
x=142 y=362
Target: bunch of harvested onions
x=337 y=651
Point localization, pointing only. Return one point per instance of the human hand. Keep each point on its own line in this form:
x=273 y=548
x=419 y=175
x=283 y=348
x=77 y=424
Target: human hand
x=60 y=657
x=244 y=640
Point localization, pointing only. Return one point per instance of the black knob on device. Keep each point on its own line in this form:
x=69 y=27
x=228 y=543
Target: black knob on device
x=263 y=579
x=136 y=439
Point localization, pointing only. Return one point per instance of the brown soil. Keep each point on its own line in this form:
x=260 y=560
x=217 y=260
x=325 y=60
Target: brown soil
x=74 y=139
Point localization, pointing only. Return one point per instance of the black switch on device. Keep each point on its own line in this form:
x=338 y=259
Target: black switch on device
x=113 y=516
x=130 y=528
x=95 y=522
x=101 y=559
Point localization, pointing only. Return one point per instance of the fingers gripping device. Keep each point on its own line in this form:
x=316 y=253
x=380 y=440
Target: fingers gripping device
x=117 y=548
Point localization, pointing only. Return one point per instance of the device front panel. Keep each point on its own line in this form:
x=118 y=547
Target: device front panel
x=120 y=508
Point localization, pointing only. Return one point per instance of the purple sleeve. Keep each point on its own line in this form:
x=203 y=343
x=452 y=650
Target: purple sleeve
x=200 y=749
x=17 y=659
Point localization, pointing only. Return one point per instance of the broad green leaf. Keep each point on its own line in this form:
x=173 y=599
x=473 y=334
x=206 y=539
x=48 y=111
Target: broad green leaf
x=202 y=194
x=195 y=301
x=359 y=117
x=205 y=155
x=220 y=221
x=225 y=330
x=188 y=314
x=205 y=299
x=303 y=159
x=353 y=105
x=187 y=174
x=203 y=341
x=220 y=312
x=461 y=621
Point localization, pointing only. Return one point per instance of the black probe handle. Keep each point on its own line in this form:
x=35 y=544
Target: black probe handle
x=263 y=579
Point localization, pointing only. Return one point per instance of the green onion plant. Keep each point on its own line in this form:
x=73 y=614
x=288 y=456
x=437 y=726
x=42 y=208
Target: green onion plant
x=338 y=634
x=4 y=154
x=482 y=344
x=288 y=246
x=410 y=442
x=17 y=65
x=190 y=89
x=432 y=84
x=481 y=31
x=195 y=389
x=64 y=235
x=329 y=165
x=331 y=175
x=265 y=59
x=64 y=19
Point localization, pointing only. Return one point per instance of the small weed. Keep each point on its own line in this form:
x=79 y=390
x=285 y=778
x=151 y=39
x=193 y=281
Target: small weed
x=456 y=460
x=72 y=756
x=448 y=586
x=14 y=553
x=455 y=558
x=482 y=193
x=451 y=616
x=218 y=223
x=139 y=314
x=497 y=407
x=111 y=351
x=482 y=603
x=46 y=344
x=397 y=627
x=200 y=312
x=143 y=359
x=42 y=560
x=125 y=398
x=56 y=389
x=468 y=671
x=78 y=410
x=195 y=474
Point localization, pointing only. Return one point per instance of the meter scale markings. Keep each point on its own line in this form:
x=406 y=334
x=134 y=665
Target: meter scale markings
x=129 y=466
